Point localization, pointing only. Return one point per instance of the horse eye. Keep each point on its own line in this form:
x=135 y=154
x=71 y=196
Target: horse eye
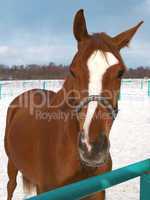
x=72 y=73
x=120 y=73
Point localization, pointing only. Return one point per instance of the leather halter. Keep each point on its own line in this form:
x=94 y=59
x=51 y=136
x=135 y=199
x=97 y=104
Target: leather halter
x=101 y=100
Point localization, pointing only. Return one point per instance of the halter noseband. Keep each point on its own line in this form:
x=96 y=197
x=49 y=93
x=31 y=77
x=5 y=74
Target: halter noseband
x=101 y=100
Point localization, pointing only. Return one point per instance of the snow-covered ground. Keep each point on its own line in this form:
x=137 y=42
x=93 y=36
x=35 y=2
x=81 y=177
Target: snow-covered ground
x=130 y=138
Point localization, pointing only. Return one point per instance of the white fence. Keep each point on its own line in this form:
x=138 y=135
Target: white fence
x=130 y=88
x=136 y=89
x=14 y=88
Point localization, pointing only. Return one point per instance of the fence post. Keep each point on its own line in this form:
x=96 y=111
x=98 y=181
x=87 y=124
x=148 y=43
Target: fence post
x=44 y=85
x=148 y=87
x=0 y=90
x=142 y=83
x=145 y=186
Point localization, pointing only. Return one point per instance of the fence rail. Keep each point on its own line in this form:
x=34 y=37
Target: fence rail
x=98 y=183
x=14 y=88
x=130 y=88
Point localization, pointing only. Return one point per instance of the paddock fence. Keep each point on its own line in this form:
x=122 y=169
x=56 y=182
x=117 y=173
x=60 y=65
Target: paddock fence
x=131 y=89
x=98 y=183
x=16 y=87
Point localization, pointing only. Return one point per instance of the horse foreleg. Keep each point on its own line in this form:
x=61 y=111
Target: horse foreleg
x=42 y=188
x=12 y=183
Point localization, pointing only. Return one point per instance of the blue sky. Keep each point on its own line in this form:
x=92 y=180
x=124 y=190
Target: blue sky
x=40 y=31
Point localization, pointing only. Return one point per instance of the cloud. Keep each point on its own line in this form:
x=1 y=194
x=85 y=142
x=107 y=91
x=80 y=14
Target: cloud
x=29 y=47
x=41 y=35
x=38 y=54
x=143 y=7
x=138 y=53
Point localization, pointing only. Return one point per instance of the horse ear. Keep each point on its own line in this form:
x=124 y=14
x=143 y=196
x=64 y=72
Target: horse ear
x=124 y=38
x=79 y=26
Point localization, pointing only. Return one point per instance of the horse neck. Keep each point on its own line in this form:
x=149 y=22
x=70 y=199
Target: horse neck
x=69 y=120
x=61 y=97
x=67 y=86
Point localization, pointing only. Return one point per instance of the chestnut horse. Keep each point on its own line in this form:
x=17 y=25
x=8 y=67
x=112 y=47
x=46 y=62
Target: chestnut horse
x=55 y=139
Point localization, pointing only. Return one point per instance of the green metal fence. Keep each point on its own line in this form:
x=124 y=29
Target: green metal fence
x=95 y=184
x=129 y=87
x=148 y=88
x=0 y=90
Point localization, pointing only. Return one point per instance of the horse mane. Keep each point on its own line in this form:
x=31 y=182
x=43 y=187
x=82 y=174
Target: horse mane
x=105 y=43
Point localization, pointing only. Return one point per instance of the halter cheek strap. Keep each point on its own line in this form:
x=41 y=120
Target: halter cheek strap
x=101 y=100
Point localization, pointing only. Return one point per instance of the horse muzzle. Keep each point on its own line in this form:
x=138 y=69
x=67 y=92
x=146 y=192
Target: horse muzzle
x=102 y=161
x=97 y=155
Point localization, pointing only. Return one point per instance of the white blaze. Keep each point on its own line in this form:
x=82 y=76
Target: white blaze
x=97 y=66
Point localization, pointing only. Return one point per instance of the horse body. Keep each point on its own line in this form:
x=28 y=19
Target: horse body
x=37 y=157
x=50 y=143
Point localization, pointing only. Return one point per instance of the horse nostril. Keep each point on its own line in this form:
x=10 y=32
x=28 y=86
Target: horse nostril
x=96 y=148
x=102 y=145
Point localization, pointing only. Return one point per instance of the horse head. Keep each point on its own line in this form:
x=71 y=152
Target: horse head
x=97 y=69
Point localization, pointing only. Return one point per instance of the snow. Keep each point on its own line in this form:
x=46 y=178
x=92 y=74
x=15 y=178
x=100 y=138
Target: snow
x=130 y=134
